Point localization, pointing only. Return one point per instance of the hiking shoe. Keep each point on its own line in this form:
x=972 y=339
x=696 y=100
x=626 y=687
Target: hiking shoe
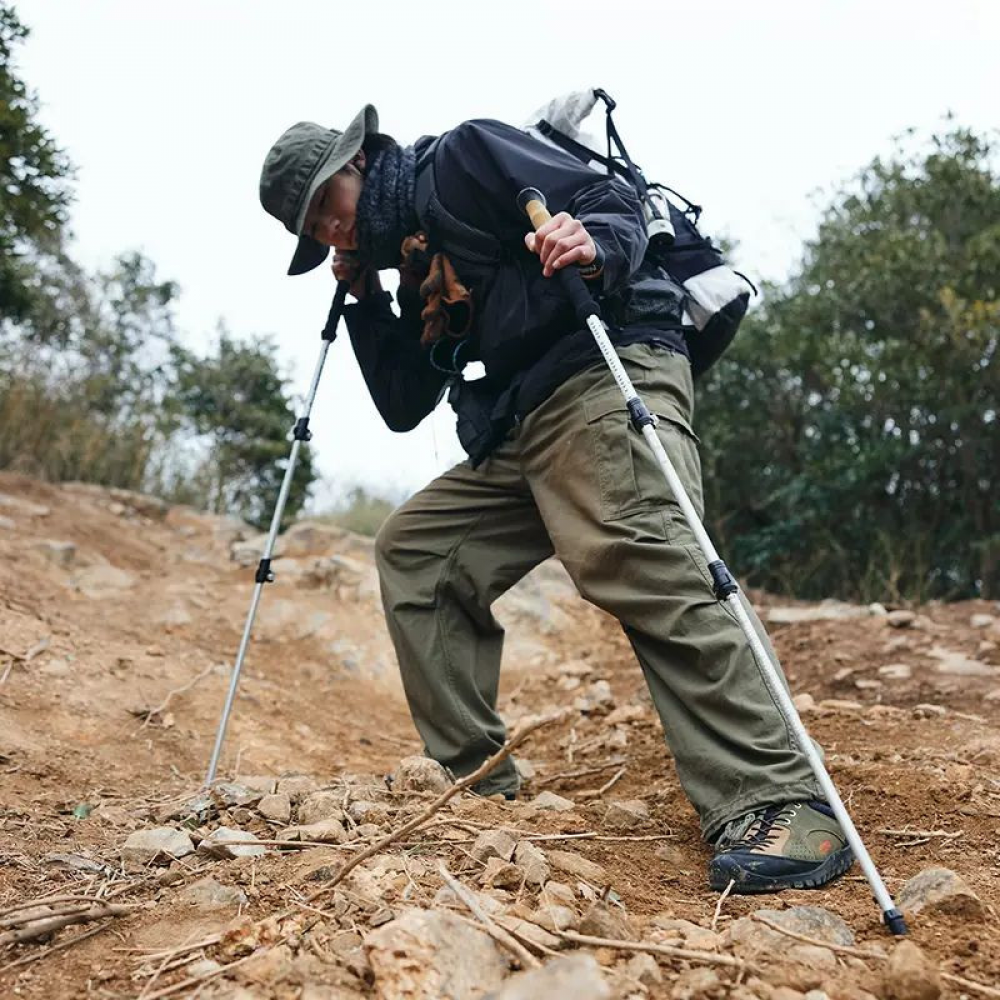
x=796 y=845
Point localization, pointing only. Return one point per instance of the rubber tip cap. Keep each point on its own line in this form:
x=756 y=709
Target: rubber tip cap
x=895 y=922
x=529 y=194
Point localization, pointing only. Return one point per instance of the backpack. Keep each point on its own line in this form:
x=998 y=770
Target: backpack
x=717 y=296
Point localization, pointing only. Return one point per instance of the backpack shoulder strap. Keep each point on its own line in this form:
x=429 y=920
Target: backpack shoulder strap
x=446 y=231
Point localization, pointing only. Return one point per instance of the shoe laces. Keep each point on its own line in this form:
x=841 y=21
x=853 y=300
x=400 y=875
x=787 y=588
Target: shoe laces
x=757 y=830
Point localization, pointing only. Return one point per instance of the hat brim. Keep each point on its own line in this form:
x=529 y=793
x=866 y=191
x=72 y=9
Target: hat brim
x=309 y=253
x=341 y=151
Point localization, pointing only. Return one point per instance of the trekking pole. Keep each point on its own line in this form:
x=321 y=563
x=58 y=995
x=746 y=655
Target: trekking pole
x=532 y=202
x=264 y=574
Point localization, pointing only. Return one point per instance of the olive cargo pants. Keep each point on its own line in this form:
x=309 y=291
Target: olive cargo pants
x=574 y=478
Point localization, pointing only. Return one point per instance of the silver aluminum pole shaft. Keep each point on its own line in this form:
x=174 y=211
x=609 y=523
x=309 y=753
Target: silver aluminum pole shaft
x=272 y=536
x=890 y=913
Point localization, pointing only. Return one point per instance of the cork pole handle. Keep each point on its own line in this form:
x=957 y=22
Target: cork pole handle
x=532 y=203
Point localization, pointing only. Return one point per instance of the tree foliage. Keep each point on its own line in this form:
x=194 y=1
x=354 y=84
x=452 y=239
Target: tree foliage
x=851 y=435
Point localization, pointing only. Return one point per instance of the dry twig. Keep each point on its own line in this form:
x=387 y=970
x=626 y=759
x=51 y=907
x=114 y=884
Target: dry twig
x=43 y=926
x=470 y=779
x=689 y=955
x=504 y=938
x=722 y=899
x=805 y=939
x=148 y=714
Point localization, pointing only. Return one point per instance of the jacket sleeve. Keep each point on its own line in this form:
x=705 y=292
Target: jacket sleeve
x=404 y=386
x=482 y=165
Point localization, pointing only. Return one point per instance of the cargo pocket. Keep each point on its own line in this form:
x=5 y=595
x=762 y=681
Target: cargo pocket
x=630 y=479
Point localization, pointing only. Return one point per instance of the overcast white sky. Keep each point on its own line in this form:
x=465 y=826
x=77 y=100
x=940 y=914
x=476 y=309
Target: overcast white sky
x=168 y=109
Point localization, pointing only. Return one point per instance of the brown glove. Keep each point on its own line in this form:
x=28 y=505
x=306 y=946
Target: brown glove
x=448 y=306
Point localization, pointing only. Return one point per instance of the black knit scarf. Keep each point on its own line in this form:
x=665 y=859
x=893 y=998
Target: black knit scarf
x=386 y=213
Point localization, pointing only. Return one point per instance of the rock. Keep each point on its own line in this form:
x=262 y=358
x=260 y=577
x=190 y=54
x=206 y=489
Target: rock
x=501 y=874
x=15 y=505
x=296 y=786
x=940 y=891
x=926 y=710
x=627 y=814
x=811 y=921
x=60 y=553
x=910 y=974
x=804 y=703
x=102 y=581
x=579 y=867
x=877 y=610
x=433 y=955
x=982 y=621
x=694 y=936
x=160 y=845
x=555 y=918
x=643 y=968
x=266 y=966
x=525 y=769
x=841 y=705
x=825 y=611
x=218 y=844
x=326 y=831
x=420 y=774
x=896 y=671
x=699 y=983
x=993 y=695
x=532 y=861
x=493 y=844
x=305 y=538
x=598 y=697
x=318 y=806
x=364 y=811
x=605 y=921
x=577 y=976
x=231 y=793
x=901 y=619
x=527 y=929
x=559 y=892
x=6 y=524
x=950 y=661
x=277 y=808
x=207 y=894
x=552 y=802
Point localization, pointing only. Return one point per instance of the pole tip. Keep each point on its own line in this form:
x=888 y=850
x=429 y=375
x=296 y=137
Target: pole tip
x=895 y=922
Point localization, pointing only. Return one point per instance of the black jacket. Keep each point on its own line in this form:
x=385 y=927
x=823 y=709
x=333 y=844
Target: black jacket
x=524 y=331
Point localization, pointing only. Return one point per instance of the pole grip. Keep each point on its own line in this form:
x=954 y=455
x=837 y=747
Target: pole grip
x=336 y=310
x=531 y=201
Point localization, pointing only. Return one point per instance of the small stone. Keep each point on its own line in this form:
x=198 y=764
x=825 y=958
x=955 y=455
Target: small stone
x=812 y=956
x=627 y=814
x=877 y=610
x=103 y=581
x=597 y=697
x=699 y=983
x=493 y=844
x=952 y=662
x=296 y=786
x=326 y=831
x=896 y=671
x=982 y=621
x=501 y=874
x=578 y=866
x=694 y=936
x=433 y=955
x=318 y=806
x=577 y=976
x=926 y=710
x=532 y=861
x=219 y=844
x=420 y=774
x=552 y=802
x=940 y=891
x=6 y=524
x=804 y=703
x=527 y=929
x=901 y=619
x=231 y=793
x=277 y=808
x=560 y=893
x=555 y=918
x=910 y=975
x=811 y=921
x=993 y=695
x=364 y=811
x=159 y=845
x=643 y=968
x=841 y=705
x=59 y=553
x=207 y=894
x=526 y=769
x=606 y=921
x=626 y=715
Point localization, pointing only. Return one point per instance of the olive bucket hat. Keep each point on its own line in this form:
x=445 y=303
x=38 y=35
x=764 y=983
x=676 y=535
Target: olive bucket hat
x=297 y=165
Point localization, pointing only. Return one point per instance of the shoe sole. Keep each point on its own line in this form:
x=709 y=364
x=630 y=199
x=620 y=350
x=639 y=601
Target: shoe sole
x=747 y=882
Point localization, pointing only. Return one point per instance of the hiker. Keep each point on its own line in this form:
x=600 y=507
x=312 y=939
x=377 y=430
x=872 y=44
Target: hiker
x=554 y=466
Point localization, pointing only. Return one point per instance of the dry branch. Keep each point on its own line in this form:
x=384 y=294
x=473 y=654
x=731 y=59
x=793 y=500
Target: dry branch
x=44 y=926
x=689 y=955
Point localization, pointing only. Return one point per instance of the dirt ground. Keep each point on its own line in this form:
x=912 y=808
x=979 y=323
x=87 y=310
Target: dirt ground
x=119 y=621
